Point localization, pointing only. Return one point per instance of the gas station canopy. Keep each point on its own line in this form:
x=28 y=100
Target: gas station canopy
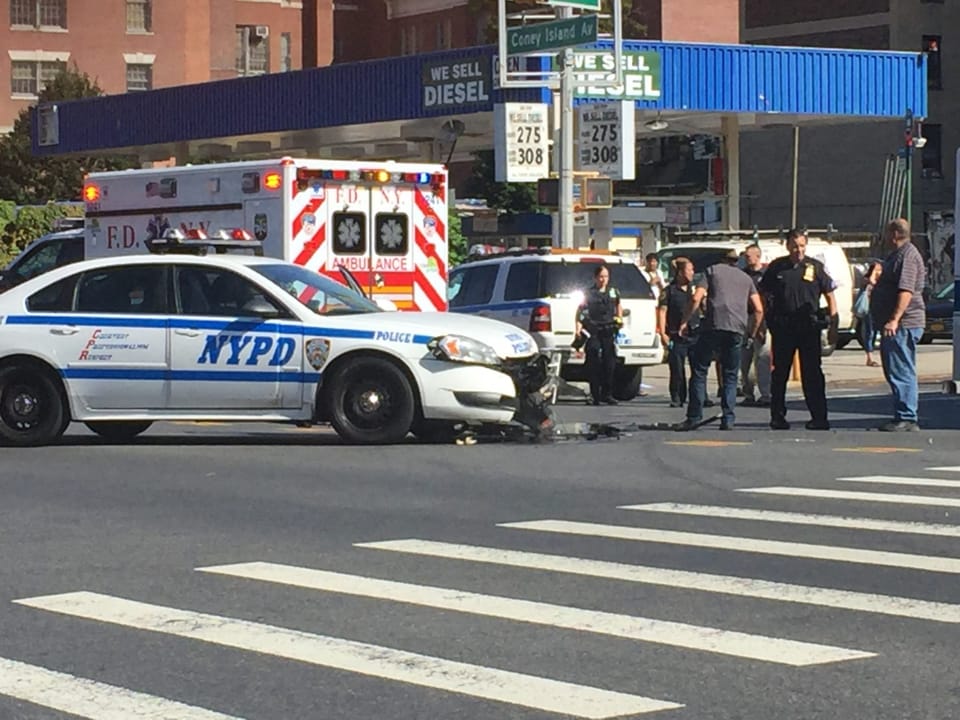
x=402 y=108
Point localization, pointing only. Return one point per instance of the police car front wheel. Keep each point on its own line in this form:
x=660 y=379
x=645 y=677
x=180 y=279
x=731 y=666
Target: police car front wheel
x=32 y=408
x=371 y=401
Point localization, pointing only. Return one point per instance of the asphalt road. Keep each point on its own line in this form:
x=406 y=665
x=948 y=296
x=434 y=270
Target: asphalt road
x=845 y=607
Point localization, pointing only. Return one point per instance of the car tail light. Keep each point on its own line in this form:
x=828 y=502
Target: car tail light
x=540 y=319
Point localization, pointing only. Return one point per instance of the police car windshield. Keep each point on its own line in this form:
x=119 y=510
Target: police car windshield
x=323 y=296
x=560 y=279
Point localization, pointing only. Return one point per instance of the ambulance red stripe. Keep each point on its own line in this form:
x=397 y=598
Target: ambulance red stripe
x=428 y=211
x=311 y=247
x=430 y=251
x=433 y=296
x=311 y=207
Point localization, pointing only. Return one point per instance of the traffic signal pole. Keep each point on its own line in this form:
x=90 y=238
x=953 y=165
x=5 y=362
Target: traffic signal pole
x=565 y=205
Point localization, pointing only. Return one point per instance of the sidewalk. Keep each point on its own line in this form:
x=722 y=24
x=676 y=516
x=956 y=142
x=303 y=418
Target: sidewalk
x=844 y=369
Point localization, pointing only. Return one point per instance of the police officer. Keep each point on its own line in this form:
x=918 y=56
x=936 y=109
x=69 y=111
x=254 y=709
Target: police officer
x=792 y=286
x=598 y=321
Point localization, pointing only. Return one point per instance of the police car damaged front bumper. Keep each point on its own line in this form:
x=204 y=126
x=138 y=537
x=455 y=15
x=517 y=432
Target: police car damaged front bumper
x=514 y=390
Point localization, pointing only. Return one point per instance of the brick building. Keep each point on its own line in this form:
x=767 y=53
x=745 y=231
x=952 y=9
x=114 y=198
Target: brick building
x=841 y=168
x=136 y=45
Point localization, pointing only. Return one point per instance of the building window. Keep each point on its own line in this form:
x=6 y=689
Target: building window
x=139 y=77
x=253 y=51
x=139 y=16
x=443 y=37
x=286 y=61
x=39 y=13
x=931 y=46
x=931 y=154
x=29 y=78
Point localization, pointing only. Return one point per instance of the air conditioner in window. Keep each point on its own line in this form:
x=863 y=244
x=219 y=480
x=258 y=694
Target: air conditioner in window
x=261 y=31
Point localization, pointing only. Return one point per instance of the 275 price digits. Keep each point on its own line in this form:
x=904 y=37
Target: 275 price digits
x=527 y=134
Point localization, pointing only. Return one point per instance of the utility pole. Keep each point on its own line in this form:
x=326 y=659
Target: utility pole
x=565 y=203
x=908 y=157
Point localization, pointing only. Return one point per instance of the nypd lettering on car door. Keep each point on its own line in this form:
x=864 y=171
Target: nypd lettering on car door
x=247 y=350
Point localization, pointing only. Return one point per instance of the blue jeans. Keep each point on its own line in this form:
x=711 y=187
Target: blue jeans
x=727 y=346
x=899 y=356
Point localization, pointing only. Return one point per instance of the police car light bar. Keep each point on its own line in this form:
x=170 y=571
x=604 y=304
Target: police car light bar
x=195 y=241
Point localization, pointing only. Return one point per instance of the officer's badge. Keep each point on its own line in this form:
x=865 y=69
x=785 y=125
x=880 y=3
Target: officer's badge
x=809 y=272
x=317 y=351
x=612 y=293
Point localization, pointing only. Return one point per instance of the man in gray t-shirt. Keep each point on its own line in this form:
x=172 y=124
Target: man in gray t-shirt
x=728 y=293
x=896 y=305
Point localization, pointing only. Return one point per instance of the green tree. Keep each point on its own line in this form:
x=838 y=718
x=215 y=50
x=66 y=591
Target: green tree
x=506 y=197
x=456 y=241
x=29 y=180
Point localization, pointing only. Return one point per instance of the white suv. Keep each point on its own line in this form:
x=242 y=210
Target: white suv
x=540 y=291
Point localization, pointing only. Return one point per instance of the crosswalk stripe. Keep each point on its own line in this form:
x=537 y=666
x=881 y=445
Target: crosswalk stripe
x=91 y=699
x=894 y=480
x=930 y=563
x=791 y=518
x=706 y=582
x=432 y=672
x=856 y=495
x=694 y=637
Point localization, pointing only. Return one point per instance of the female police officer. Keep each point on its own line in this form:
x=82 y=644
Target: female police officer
x=599 y=318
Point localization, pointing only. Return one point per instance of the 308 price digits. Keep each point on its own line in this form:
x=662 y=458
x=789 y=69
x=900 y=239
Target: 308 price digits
x=529 y=135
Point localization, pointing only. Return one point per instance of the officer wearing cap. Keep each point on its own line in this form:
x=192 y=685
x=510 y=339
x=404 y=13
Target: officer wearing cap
x=791 y=287
x=598 y=321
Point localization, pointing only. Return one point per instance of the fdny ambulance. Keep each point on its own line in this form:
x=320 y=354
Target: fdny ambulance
x=385 y=222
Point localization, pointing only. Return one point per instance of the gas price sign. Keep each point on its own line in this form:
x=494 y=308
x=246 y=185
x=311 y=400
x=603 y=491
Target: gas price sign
x=522 y=142
x=606 y=143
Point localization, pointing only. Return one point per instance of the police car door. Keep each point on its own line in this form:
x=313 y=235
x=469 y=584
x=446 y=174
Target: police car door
x=222 y=356
x=112 y=343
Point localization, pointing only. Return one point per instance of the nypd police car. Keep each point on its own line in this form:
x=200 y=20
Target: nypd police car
x=118 y=343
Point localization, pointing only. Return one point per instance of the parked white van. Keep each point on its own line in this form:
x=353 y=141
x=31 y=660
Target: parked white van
x=704 y=253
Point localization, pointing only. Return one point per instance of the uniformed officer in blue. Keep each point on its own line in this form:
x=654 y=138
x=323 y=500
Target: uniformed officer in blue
x=599 y=319
x=791 y=287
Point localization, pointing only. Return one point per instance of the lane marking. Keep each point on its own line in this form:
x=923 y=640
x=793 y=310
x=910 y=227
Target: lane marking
x=724 y=584
x=91 y=699
x=383 y=662
x=856 y=495
x=774 y=516
x=877 y=450
x=951 y=468
x=692 y=637
x=894 y=480
x=930 y=563
x=706 y=443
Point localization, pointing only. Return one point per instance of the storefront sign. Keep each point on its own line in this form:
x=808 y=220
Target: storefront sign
x=449 y=84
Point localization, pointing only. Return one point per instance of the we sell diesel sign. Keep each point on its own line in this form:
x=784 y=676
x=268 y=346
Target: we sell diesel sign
x=451 y=84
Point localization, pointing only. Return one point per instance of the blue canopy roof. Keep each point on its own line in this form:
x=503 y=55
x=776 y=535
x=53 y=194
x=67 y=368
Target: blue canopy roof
x=691 y=78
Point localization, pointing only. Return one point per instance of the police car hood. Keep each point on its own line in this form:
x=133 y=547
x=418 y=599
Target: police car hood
x=507 y=340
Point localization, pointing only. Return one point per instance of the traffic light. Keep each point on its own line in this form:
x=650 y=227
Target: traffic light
x=597 y=193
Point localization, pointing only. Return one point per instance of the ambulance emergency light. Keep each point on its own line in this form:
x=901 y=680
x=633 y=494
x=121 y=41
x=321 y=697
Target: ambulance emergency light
x=306 y=175
x=91 y=193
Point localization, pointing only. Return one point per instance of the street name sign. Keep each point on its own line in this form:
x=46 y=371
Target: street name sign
x=580 y=30
x=582 y=4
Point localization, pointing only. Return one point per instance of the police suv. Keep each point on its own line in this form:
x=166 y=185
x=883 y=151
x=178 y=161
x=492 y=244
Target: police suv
x=118 y=343
x=539 y=290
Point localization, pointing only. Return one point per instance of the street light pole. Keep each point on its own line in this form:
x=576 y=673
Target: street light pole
x=908 y=164
x=565 y=204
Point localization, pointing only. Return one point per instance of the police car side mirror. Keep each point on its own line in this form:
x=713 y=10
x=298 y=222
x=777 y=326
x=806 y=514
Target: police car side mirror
x=258 y=307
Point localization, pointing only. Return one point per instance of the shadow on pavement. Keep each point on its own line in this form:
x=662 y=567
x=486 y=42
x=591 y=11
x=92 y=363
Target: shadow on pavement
x=937 y=411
